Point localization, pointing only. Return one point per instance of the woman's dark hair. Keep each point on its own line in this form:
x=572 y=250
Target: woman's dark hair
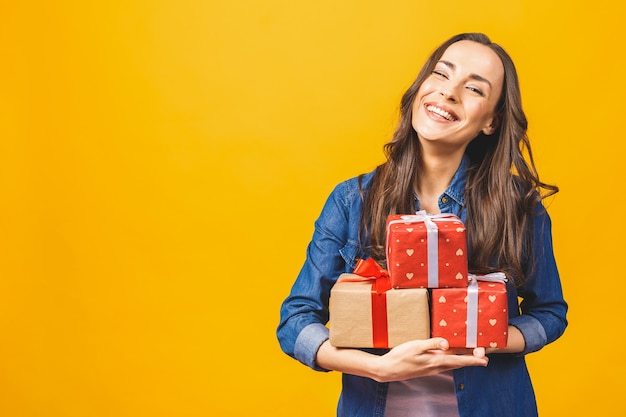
x=502 y=190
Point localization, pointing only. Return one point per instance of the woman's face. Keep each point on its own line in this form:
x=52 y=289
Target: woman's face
x=458 y=99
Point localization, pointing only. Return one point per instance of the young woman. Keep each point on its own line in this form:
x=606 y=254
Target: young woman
x=457 y=149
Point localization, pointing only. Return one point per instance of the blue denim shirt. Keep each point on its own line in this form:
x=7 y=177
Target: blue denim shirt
x=503 y=388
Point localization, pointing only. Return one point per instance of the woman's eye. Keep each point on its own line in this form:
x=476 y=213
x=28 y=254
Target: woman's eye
x=439 y=74
x=477 y=91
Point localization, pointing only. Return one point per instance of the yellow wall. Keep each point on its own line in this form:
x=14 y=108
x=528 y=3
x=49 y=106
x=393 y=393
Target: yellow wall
x=162 y=163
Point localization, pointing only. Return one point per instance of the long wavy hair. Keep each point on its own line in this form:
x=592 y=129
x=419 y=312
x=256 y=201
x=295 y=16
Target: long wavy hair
x=502 y=190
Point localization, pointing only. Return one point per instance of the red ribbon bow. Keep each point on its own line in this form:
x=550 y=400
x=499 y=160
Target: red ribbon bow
x=370 y=269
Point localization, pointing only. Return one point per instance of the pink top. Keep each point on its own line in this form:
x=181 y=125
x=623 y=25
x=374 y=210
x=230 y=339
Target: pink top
x=430 y=396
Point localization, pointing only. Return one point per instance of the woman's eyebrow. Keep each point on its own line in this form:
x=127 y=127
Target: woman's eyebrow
x=472 y=76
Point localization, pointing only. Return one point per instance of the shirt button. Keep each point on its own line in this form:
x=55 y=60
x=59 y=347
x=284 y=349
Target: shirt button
x=461 y=387
x=444 y=200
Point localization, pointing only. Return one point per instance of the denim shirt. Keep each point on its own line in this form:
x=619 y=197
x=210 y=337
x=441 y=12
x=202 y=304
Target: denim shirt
x=503 y=388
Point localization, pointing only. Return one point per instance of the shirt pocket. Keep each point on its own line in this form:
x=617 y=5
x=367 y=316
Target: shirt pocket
x=351 y=253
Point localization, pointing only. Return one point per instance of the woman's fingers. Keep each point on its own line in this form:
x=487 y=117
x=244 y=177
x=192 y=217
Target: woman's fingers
x=479 y=352
x=436 y=343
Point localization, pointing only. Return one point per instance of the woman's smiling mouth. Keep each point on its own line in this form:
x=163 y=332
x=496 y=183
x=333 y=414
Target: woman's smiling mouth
x=441 y=112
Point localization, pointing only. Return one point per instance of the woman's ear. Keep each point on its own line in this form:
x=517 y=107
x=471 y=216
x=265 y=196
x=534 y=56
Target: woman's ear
x=492 y=126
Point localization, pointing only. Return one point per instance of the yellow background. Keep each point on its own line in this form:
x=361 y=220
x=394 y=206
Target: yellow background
x=162 y=163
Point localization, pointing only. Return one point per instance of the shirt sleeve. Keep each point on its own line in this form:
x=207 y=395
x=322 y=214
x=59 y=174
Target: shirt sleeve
x=304 y=313
x=543 y=308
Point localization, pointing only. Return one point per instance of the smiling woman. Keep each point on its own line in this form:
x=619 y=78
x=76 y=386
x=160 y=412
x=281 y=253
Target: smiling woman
x=454 y=105
x=459 y=140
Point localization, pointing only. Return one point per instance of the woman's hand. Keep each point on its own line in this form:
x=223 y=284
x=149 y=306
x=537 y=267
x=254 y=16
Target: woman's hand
x=419 y=358
x=412 y=359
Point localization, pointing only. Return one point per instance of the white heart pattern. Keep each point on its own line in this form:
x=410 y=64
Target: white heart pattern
x=410 y=252
x=443 y=323
x=493 y=344
x=442 y=299
x=409 y=229
x=460 y=229
x=409 y=275
x=493 y=322
x=492 y=298
x=459 y=276
x=459 y=252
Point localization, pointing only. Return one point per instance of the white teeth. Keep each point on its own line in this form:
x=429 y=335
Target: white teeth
x=441 y=113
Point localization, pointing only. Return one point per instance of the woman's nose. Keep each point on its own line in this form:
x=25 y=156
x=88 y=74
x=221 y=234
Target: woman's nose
x=448 y=93
x=450 y=90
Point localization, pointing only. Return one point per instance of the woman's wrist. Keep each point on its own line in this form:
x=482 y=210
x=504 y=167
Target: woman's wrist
x=351 y=361
x=515 y=342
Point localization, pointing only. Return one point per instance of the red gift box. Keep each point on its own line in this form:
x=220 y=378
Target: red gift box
x=426 y=251
x=476 y=316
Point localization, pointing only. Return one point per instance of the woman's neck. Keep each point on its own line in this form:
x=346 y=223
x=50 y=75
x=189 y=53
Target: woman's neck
x=435 y=175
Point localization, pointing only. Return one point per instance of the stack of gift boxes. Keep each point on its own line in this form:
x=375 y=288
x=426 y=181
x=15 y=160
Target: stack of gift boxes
x=425 y=292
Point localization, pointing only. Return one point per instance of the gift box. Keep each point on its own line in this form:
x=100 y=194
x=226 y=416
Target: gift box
x=476 y=316
x=426 y=251
x=365 y=312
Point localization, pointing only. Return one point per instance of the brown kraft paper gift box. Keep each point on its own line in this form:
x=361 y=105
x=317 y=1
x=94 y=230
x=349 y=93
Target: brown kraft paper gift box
x=361 y=317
